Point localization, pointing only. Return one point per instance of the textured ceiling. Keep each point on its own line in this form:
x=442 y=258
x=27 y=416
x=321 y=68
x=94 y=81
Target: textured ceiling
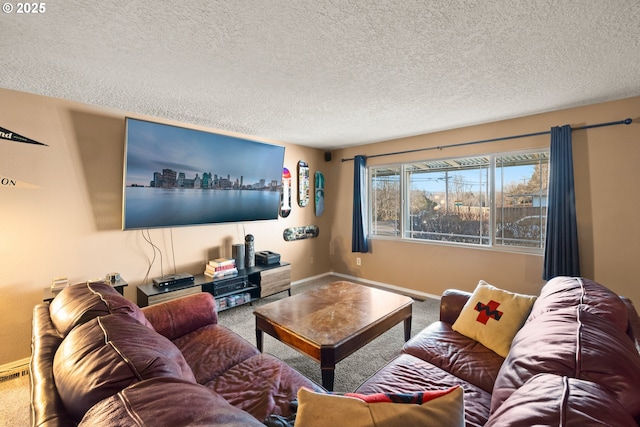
x=326 y=73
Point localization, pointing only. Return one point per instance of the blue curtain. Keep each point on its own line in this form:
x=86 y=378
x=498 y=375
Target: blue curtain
x=359 y=235
x=561 y=246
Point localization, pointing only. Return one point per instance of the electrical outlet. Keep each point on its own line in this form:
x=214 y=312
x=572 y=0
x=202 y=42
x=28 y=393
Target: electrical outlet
x=311 y=260
x=358 y=261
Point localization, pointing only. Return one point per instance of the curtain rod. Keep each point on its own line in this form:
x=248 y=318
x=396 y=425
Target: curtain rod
x=440 y=147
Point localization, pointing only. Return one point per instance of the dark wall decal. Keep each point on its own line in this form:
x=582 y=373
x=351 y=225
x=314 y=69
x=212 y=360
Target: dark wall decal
x=12 y=136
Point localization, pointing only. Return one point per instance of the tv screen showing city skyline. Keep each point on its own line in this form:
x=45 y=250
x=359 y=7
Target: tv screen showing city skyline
x=176 y=176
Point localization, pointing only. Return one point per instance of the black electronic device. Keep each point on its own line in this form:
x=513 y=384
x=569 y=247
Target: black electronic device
x=229 y=285
x=173 y=280
x=267 y=258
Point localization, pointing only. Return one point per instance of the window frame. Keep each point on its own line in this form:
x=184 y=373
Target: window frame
x=402 y=232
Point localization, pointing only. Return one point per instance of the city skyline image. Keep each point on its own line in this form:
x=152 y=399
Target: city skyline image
x=175 y=176
x=152 y=148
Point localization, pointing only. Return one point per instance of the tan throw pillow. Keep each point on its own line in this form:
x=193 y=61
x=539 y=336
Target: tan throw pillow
x=445 y=408
x=493 y=316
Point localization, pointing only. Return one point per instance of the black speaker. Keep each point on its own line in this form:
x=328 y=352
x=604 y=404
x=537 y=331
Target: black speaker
x=327 y=156
x=237 y=251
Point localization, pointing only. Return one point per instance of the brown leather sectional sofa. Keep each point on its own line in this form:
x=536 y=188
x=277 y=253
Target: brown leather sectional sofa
x=575 y=361
x=99 y=360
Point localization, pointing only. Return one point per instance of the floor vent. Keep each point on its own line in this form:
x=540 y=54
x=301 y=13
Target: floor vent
x=14 y=373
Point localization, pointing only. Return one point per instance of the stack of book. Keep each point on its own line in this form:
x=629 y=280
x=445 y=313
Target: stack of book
x=221 y=267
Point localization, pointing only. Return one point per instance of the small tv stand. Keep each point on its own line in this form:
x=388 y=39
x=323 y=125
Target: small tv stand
x=50 y=294
x=245 y=287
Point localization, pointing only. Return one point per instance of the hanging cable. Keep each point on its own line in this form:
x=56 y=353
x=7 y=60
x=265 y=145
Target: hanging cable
x=154 y=247
x=173 y=252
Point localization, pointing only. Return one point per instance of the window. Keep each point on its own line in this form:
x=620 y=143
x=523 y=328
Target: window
x=385 y=196
x=498 y=200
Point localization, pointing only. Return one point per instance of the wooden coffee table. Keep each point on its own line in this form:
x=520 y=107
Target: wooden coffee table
x=333 y=321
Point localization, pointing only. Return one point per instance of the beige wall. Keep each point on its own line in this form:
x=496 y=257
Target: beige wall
x=606 y=171
x=70 y=225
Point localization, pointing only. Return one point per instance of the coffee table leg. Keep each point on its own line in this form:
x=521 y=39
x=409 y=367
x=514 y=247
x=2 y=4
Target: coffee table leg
x=328 y=375
x=407 y=328
x=259 y=335
x=328 y=366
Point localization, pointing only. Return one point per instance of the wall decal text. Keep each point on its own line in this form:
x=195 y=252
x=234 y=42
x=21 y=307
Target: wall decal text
x=6 y=182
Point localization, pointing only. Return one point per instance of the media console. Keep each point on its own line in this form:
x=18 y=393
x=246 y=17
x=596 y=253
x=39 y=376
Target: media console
x=247 y=286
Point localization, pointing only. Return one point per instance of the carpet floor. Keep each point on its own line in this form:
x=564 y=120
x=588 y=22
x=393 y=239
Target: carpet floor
x=14 y=402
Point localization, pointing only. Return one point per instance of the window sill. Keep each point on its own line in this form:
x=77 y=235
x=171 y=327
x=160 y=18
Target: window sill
x=494 y=248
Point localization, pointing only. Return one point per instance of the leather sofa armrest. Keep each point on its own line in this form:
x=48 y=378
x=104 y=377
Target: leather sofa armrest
x=451 y=303
x=178 y=317
x=633 y=329
x=47 y=408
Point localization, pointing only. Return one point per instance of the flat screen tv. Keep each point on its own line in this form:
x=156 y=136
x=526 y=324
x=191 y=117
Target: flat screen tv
x=175 y=176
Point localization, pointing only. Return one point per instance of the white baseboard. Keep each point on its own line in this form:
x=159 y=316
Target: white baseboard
x=405 y=291
x=308 y=279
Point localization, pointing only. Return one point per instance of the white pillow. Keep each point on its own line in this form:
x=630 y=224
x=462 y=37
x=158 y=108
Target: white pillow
x=493 y=316
x=441 y=408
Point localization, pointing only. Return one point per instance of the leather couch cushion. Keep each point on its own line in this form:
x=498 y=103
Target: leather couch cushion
x=213 y=349
x=261 y=385
x=77 y=304
x=408 y=374
x=445 y=408
x=107 y=354
x=160 y=402
x=552 y=400
x=457 y=354
x=578 y=344
x=562 y=292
